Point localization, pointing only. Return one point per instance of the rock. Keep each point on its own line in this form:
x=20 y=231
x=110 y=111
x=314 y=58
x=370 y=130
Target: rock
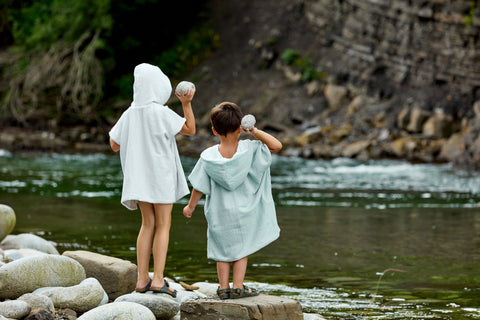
x=119 y=311
x=29 y=241
x=30 y=273
x=117 y=276
x=38 y=301
x=403 y=147
x=40 y=314
x=162 y=306
x=355 y=148
x=7 y=221
x=14 y=309
x=336 y=95
x=15 y=254
x=417 y=119
x=403 y=118
x=310 y=135
x=313 y=88
x=66 y=314
x=80 y=298
x=453 y=148
x=476 y=108
x=208 y=289
x=262 y=307
x=438 y=126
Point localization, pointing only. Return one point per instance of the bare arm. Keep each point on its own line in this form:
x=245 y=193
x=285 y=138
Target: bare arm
x=194 y=198
x=188 y=128
x=115 y=146
x=272 y=143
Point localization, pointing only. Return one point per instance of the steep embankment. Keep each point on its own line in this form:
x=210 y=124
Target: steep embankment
x=395 y=78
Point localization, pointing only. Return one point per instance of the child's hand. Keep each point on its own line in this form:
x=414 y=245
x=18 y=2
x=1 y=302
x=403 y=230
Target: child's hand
x=186 y=97
x=249 y=131
x=187 y=211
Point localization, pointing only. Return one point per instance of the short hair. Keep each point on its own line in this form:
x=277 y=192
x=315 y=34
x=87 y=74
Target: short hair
x=226 y=117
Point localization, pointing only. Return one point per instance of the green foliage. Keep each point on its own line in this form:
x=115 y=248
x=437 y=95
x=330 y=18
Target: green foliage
x=293 y=58
x=189 y=51
x=471 y=13
x=46 y=22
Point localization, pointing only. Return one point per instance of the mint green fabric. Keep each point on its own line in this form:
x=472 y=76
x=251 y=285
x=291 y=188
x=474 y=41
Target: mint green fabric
x=239 y=206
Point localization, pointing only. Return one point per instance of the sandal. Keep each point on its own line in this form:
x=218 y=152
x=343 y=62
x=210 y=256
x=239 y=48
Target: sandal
x=164 y=289
x=243 y=293
x=223 y=293
x=144 y=289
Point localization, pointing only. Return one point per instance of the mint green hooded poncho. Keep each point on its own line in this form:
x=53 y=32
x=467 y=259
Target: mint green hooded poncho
x=239 y=206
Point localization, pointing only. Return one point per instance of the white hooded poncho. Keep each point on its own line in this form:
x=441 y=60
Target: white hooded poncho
x=152 y=171
x=239 y=206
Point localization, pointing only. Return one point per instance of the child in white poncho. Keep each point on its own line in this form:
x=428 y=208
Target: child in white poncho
x=152 y=172
x=239 y=207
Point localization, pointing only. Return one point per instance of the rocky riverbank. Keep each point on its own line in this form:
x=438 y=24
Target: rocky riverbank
x=36 y=282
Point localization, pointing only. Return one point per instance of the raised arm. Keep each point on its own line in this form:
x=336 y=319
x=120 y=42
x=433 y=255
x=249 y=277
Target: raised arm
x=272 y=143
x=188 y=128
x=194 y=198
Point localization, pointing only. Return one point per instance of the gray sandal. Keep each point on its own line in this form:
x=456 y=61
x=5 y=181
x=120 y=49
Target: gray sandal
x=243 y=293
x=223 y=293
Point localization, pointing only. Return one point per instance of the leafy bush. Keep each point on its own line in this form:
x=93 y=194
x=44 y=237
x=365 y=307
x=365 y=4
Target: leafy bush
x=293 y=58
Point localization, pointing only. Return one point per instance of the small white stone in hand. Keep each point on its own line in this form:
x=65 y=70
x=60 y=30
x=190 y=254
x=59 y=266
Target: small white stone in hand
x=185 y=86
x=248 y=122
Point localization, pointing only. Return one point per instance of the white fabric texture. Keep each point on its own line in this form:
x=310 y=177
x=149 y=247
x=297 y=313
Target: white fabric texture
x=152 y=171
x=239 y=206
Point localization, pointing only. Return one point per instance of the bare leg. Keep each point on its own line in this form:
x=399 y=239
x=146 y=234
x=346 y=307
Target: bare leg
x=223 y=271
x=144 y=243
x=163 y=221
x=239 y=270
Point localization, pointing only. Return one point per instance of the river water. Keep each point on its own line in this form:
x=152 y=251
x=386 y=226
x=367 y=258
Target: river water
x=359 y=240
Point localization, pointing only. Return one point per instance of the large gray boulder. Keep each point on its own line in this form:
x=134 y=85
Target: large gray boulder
x=262 y=307
x=117 y=276
x=162 y=306
x=85 y=296
x=30 y=273
x=119 y=311
x=7 y=220
x=29 y=241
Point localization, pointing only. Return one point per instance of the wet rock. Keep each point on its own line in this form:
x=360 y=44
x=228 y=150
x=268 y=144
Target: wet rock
x=208 y=289
x=30 y=273
x=85 y=296
x=14 y=309
x=116 y=276
x=310 y=135
x=119 y=310
x=262 y=307
x=38 y=301
x=312 y=316
x=453 y=148
x=162 y=306
x=7 y=220
x=29 y=241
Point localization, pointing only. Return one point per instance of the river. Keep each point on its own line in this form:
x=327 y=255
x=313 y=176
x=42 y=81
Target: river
x=359 y=240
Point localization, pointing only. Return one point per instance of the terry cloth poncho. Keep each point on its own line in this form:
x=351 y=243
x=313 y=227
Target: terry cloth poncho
x=239 y=205
x=152 y=171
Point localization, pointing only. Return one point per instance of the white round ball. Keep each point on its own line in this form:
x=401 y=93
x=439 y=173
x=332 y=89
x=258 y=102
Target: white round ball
x=185 y=86
x=248 y=122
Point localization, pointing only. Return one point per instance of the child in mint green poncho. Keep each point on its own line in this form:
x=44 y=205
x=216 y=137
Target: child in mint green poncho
x=235 y=177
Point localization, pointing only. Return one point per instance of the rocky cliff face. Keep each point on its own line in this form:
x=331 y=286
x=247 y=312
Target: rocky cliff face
x=395 y=78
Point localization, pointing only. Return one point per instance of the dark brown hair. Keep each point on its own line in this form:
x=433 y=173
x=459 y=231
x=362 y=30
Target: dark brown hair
x=226 y=117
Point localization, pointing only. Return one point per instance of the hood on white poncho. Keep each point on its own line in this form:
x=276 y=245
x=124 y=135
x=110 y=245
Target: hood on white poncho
x=150 y=85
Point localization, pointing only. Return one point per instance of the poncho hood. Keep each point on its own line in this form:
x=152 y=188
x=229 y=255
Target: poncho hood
x=150 y=85
x=229 y=173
